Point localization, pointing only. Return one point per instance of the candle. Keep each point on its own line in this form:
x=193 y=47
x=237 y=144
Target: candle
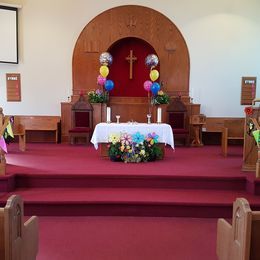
x=149 y=118
x=108 y=114
x=159 y=115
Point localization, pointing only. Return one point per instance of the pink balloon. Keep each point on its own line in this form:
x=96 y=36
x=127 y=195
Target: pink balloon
x=147 y=85
x=101 y=80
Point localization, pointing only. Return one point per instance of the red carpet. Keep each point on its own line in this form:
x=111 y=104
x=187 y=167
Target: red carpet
x=74 y=180
x=67 y=159
x=64 y=180
x=127 y=238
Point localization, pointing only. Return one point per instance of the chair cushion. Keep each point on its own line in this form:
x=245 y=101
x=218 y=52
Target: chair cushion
x=176 y=120
x=180 y=131
x=81 y=119
x=80 y=130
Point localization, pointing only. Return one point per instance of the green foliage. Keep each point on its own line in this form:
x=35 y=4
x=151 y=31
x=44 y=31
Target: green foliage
x=97 y=96
x=160 y=98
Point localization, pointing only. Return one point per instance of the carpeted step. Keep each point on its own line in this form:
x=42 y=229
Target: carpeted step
x=130 y=181
x=131 y=202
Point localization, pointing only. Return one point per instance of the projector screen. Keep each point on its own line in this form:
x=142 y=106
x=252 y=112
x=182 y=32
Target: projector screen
x=8 y=35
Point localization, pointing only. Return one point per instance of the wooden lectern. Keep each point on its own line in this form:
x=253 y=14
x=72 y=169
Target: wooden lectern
x=197 y=121
x=250 y=151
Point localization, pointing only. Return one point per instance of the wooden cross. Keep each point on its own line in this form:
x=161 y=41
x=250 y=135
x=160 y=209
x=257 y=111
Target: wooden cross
x=131 y=59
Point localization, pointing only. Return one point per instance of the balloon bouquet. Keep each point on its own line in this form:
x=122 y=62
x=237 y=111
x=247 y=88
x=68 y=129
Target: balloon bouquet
x=105 y=60
x=151 y=61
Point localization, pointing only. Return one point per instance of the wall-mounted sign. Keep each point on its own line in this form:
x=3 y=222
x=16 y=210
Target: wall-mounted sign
x=13 y=86
x=248 y=90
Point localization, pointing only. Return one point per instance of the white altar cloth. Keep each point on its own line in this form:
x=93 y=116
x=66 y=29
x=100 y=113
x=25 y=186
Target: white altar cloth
x=103 y=130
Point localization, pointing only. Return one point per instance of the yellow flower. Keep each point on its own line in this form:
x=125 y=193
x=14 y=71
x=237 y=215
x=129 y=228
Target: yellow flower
x=114 y=138
x=142 y=152
x=160 y=93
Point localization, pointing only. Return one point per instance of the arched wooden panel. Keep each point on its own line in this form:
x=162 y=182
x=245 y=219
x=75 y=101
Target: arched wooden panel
x=132 y=21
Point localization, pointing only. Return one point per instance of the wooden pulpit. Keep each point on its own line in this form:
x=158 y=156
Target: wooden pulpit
x=250 y=151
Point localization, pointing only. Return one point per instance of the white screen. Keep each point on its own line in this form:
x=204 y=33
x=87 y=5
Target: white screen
x=8 y=35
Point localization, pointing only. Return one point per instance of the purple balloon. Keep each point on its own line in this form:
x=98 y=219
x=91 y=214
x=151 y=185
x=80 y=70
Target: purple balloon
x=155 y=88
x=101 y=80
x=147 y=85
x=109 y=85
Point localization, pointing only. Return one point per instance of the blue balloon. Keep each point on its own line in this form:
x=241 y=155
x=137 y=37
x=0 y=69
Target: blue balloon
x=155 y=88
x=109 y=84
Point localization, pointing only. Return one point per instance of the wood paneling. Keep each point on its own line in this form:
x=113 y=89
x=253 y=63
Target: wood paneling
x=129 y=109
x=65 y=120
x=214 y=124
x=132 y=21
x=116 y=24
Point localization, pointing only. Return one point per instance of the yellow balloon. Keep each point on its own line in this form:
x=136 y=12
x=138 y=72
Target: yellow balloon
x=104 y=71
x=154 y=75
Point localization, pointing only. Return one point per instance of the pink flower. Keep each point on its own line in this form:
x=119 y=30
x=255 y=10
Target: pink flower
x=126 y=139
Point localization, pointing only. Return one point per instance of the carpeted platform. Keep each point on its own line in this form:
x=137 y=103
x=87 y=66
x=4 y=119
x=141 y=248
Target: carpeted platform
x=60 y=179
x=92 y=208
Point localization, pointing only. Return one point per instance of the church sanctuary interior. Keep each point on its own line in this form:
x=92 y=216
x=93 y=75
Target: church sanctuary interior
x=129 y=130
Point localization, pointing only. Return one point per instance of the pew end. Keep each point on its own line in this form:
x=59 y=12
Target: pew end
x=18 y=240
x=239 y=241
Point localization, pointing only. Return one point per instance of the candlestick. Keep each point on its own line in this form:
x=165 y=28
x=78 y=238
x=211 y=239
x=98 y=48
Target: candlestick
x=148 y=118
x=108 y=114
x=159 y=115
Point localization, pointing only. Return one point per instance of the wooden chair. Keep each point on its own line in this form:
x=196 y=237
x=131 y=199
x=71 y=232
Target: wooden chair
x=82 y=120
x=18 y=240
x=233 y=130
x=178 y=119
x=239 y=241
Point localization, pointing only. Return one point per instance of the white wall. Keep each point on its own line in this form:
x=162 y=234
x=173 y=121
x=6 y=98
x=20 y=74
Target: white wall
x=223 y=39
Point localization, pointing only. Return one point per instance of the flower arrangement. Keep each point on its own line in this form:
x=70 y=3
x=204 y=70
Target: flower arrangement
x=134 y=148
x=97 y=96
x=160 y=98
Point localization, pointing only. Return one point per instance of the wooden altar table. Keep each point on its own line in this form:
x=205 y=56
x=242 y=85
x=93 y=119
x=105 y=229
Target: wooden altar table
x=103 y=130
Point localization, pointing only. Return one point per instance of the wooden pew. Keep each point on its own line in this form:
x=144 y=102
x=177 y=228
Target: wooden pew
x=22 y=124
x=239 y=241
x=19 y=130
x=233 y=129
x=18 y=240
